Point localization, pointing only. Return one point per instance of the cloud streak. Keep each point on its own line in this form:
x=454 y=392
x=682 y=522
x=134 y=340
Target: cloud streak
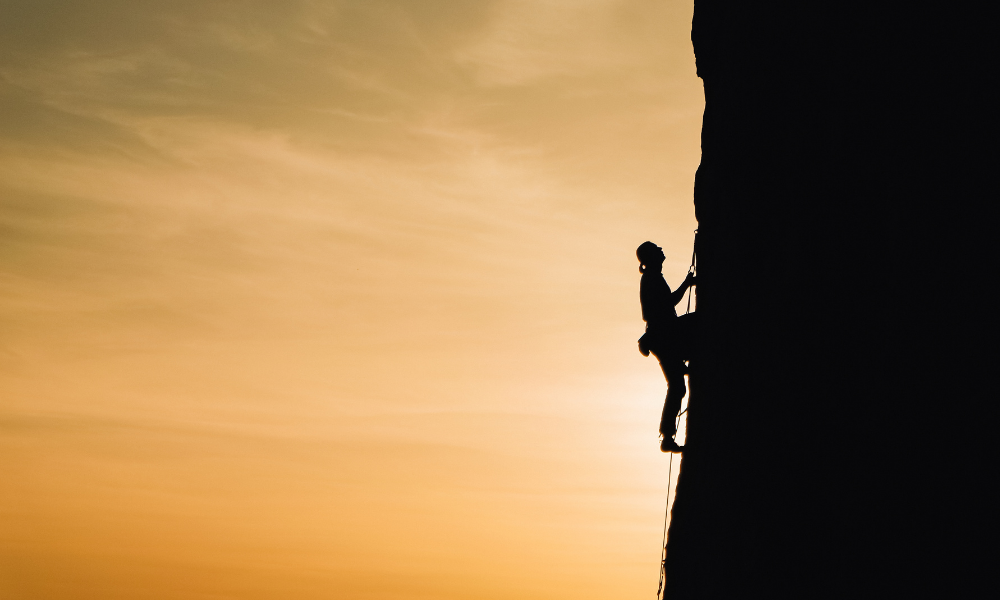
x=285 y=288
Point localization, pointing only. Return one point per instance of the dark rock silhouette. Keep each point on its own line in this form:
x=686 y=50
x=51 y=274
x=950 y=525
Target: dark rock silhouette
x=822 y=457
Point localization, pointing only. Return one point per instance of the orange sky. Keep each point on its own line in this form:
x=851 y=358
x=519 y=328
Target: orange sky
x=320 y=299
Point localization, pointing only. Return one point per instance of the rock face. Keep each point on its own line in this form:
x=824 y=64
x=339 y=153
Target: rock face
x=829 y=201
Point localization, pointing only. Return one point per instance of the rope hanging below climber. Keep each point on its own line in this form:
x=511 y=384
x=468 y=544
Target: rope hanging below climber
x=671 y=340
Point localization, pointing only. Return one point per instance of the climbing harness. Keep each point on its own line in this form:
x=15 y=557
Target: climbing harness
x=661 y=586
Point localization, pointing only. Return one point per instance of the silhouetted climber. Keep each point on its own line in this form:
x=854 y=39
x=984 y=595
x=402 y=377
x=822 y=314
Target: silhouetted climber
x=666 y=337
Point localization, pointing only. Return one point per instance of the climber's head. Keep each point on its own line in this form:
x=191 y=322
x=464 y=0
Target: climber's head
x=649 y=255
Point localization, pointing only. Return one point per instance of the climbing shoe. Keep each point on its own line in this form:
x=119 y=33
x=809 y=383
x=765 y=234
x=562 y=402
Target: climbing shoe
x=669 y=445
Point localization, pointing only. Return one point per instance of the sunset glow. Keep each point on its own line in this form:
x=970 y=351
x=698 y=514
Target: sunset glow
x=325 y=300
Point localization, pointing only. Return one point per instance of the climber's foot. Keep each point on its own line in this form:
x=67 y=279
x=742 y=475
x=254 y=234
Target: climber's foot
x=669 y=445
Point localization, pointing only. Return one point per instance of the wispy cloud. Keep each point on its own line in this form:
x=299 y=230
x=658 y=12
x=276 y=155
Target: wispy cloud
x=295 y=263
x=527 y=41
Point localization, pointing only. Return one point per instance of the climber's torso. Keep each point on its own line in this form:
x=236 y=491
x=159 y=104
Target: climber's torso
x=657 y=308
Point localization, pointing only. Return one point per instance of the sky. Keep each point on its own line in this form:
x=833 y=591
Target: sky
x=336 y=299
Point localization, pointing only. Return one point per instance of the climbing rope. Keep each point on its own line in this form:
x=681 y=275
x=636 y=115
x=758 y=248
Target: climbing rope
x=663 y=544
x=693 y=268
x=661 y=586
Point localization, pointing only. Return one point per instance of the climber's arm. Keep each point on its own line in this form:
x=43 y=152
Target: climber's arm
x=677 y=295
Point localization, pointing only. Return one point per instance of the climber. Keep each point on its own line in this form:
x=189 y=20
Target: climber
x=666 y=336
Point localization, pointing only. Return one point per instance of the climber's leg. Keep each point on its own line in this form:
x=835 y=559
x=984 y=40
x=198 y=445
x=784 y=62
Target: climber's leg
x=673 y=371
